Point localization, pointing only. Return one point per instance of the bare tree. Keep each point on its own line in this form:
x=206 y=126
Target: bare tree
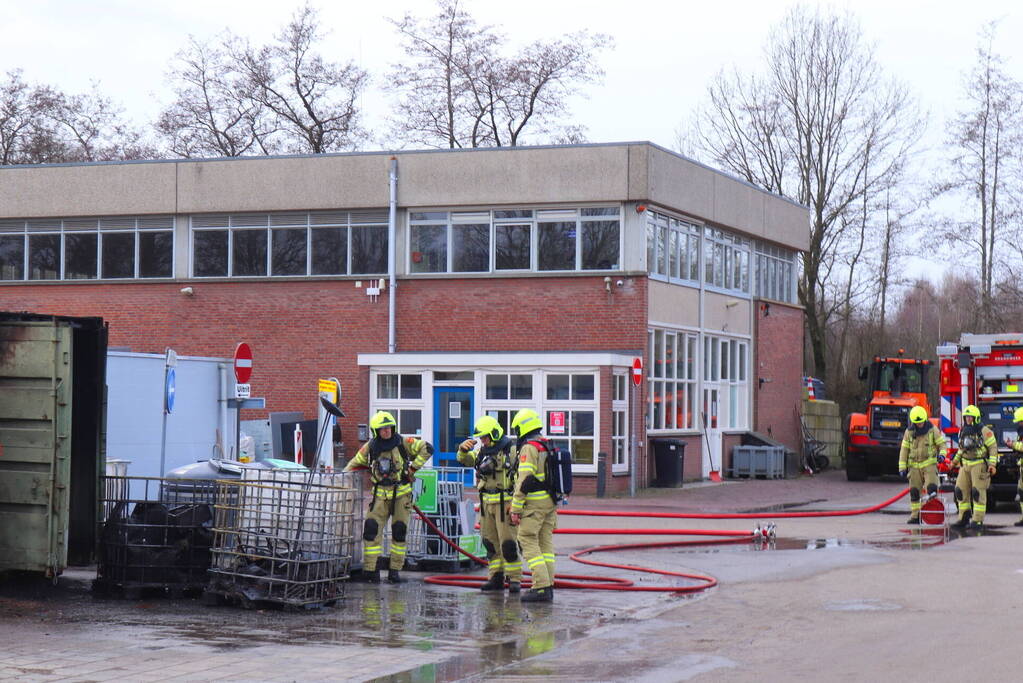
x=810 y=127
x=314 y=101
x=20 y=109
x=214 y=112
x=458 y=90
x=42 y=124
x=986 y=136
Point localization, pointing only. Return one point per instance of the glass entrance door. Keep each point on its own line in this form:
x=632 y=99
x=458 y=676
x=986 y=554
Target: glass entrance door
x=453 y=420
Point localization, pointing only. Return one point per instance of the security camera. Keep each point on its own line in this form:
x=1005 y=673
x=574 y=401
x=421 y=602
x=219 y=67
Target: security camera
x=187 y=291
x=619 y=283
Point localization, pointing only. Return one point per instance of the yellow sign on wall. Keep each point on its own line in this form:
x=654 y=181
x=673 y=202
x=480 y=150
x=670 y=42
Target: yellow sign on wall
x=327 y=386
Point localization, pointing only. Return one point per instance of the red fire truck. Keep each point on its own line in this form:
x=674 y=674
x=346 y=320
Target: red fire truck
x=985 y=370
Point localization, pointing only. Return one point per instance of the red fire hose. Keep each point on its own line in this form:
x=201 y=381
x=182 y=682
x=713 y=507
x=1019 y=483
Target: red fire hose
x=618 y=584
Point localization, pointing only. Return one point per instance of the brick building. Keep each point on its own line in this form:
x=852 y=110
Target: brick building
x=524 y=277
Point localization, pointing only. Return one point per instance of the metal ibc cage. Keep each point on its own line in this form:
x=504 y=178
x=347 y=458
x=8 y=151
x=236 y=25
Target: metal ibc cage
x=284 y=537
x=440 y=494
x=155 y=534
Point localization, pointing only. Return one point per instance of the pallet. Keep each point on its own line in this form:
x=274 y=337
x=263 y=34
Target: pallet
x=234 y=599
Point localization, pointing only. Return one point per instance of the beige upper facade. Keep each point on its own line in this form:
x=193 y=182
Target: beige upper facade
x=625 y=172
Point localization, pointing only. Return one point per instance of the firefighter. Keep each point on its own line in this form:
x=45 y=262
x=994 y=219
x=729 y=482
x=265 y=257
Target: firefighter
x=1017 y=445
x=392 y=462
x=495 y=465
x=532 y=509
x=923 y=447
x=976 y=458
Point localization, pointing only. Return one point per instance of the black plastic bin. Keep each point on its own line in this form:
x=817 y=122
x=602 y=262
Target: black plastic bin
x=669 y=456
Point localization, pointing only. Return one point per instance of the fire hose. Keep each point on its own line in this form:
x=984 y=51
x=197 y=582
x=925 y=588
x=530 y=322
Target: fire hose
x=591 y=582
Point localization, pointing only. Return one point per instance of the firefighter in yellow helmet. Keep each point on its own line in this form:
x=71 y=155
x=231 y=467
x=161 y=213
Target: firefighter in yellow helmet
x=976 y=458
x=922 y=447
x=532 y=508
x=496 y=464
x=1017 y=446
x=392 y=462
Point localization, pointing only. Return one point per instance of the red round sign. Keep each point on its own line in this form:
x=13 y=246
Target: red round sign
x=242 y=363
x=637 y=371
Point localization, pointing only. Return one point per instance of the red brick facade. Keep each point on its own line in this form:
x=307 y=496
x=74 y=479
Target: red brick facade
x=778 y=361
x=304 y=330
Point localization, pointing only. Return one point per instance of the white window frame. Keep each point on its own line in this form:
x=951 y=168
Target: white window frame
x=469 y=216
x=620 y=405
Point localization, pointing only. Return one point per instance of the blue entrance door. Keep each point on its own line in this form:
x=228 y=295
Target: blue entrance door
x=452 y=424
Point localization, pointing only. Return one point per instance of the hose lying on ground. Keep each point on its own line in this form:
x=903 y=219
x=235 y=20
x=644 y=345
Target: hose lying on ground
x=592 y=582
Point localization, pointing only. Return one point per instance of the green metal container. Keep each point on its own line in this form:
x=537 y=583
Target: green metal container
x=52 y=378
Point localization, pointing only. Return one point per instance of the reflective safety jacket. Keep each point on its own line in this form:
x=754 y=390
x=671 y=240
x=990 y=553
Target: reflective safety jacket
x=921 y=451
x=399 y=481
x=531 y=483
x=495 y=487
x=986 y=452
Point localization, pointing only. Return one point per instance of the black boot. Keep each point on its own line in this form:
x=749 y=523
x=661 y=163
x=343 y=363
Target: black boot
x=1019 y=523
x=514 y=587
x=370 y=576
x=960 y=524
x=913 y=520
x=494 y=583
x=539 y=595
x=394 y=576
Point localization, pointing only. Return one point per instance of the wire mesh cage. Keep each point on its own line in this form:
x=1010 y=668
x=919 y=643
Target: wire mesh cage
x=441 y=495
x=155 y=534
x=285 y=537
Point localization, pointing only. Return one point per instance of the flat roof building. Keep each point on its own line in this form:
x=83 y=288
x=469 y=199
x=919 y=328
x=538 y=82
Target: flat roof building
x=525 y=277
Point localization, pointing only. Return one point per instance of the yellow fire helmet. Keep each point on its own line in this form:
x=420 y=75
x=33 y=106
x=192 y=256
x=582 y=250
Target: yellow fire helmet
x=488 y=426
x=1018 y=415
x=526 y=421
x=381 y=419
x=918 y=415
x=972 y=411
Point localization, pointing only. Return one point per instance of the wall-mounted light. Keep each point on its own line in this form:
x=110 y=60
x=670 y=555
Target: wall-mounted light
x=731 y=303
x=188 y=291
x=607 y=282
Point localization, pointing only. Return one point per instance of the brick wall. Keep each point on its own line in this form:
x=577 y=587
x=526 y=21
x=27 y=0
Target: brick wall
x=778 y=357
x=303 y=330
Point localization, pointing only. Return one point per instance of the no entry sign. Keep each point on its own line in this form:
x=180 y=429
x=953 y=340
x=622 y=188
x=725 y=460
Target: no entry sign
x=242 y=363
x=637 y=371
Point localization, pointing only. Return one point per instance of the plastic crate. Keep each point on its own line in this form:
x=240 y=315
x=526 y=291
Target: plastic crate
x=758 y=461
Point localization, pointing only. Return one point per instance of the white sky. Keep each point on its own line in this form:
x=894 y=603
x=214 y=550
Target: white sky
x=665 y=52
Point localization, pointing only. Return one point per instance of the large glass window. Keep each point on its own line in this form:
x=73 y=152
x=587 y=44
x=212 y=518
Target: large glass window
x=556 y=245
x=402 y=396
x=510 y=239
x=209 y=253
x=774 y=273
x=512 y=248
x=86 y=248
x=288 y=251
x=118 y=257
x=12 y=257
x=673 y=247
x=289 y=244
x=470 y=248
x=44 y=257
x=671 y=380
x=429 y=245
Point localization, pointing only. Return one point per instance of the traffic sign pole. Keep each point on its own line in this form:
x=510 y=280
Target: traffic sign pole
x=169 y=389
x=637 y=379
x=242 y=373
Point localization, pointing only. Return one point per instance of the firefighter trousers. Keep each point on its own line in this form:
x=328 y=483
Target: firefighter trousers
x=971 y=490
x=536 y=538
x=499 y=538
x=921 y=479
x=373 y=531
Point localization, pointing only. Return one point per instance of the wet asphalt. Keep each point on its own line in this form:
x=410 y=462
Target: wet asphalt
x=420 y=632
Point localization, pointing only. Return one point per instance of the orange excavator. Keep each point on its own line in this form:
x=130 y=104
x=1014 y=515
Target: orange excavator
x=873 y=438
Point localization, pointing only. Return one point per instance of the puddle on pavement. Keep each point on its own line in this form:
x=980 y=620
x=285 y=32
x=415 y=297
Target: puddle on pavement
x=901 y=539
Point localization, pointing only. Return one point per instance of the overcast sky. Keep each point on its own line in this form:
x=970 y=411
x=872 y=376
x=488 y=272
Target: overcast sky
x=664 y=54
